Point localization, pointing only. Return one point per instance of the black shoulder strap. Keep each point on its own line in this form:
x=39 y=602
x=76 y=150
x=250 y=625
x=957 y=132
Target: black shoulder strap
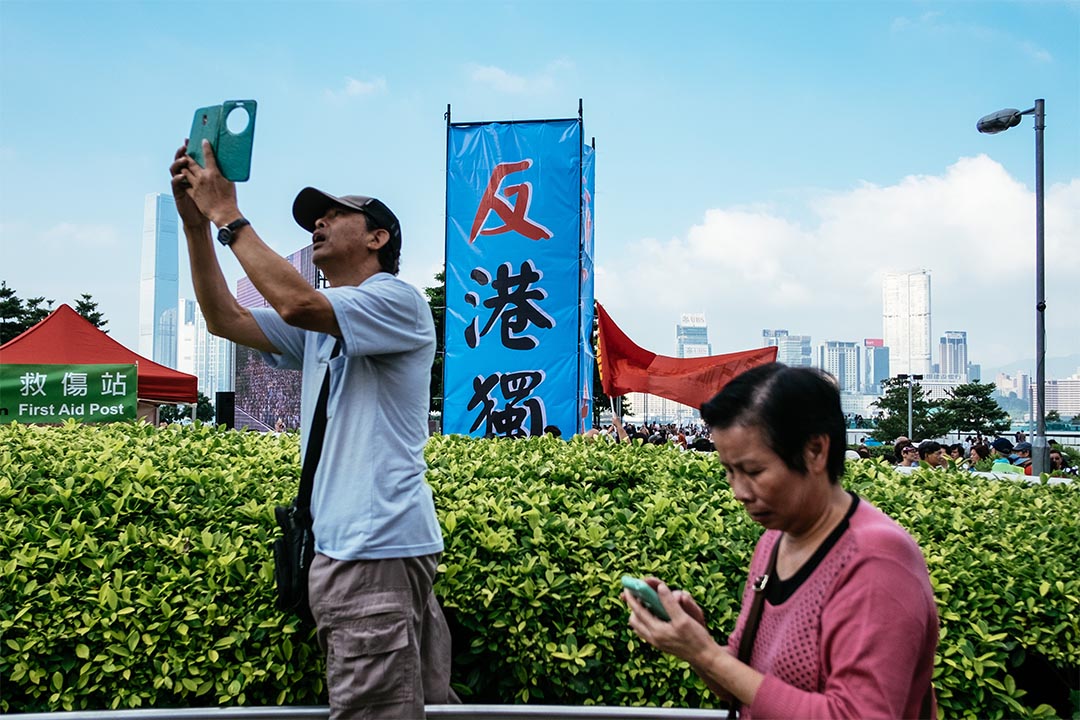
x=749 y=634
x=316 y=434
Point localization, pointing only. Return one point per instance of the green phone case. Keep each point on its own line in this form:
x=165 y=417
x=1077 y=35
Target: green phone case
x=645 y=595
x=232 y=150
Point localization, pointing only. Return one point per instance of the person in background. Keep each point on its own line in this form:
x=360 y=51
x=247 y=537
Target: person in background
x=909 y=455
x=978 y=453
x=1058 y=464
x=956 y=452
x=898 y=446
x=932 y=453
x=1001 y=449
x=1022 y=451
x=848 y=624
x=1001 y=452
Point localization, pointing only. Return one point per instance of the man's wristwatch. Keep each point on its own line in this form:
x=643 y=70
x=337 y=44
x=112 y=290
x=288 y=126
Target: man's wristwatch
x=227 y=234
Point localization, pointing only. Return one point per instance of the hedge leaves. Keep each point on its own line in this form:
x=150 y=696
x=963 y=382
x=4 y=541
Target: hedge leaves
x=137 y=570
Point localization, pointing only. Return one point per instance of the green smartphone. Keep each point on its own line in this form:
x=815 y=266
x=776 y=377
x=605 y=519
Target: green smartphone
x=645 y=595
x=230 y=128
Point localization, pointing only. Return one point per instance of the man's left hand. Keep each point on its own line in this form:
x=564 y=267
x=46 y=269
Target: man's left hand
x=213 y=194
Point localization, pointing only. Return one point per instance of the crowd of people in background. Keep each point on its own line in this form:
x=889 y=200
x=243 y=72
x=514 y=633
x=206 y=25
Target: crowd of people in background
x=686 y=436
x=1005 y=455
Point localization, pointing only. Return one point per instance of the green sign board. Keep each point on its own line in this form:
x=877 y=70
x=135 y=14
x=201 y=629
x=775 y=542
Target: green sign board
x=54 y=393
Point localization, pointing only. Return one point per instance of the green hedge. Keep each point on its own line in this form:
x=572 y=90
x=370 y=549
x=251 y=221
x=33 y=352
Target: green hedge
x=137 y=570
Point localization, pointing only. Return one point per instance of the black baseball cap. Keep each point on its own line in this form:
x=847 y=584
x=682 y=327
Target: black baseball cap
x=311 y=204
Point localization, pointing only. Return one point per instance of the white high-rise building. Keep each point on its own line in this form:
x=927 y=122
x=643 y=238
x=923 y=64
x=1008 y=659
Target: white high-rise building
x=185 y=346
x=206 y=356
x=692 y=336
x=159 y=287
x=953 y=354
x=1064 y=396
x=841 y=360
x=792 y=350
x=905 y=300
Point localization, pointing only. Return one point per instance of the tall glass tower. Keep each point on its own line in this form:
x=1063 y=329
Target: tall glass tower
x=905 y=299
x=159 y=285
x=692 y=336
x=953 y=354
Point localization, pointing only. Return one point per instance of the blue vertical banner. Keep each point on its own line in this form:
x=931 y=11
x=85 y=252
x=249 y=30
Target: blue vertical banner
x=514 y=278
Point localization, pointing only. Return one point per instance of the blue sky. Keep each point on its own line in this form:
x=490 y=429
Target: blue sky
x=762 y=162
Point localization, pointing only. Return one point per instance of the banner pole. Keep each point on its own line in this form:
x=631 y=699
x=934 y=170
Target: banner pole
x=446 y=268
x=580 y=384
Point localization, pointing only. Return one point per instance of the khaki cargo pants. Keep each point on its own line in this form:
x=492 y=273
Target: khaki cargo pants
x=386 y=641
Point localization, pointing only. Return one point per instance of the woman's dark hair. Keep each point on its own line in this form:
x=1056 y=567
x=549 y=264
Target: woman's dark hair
x=983 y=451
x=956 y=448
x=790 y=406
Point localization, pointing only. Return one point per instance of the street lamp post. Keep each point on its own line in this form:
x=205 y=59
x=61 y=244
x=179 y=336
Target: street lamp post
x=910 y=380
x=994 y=123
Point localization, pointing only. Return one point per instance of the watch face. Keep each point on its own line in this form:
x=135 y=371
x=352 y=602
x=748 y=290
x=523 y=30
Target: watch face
x=226 y=235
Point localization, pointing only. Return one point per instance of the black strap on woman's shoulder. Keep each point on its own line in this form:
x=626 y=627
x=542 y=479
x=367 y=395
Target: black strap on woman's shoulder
x=316 y=434
x=749 y=634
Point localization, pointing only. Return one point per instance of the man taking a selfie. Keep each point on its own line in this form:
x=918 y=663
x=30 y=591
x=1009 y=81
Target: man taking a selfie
x=377 y=538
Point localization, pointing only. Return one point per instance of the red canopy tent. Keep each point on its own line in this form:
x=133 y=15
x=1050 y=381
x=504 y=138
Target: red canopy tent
x=66 y=338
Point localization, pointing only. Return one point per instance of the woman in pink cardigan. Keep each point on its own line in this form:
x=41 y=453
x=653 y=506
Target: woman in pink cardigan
x=847 y=623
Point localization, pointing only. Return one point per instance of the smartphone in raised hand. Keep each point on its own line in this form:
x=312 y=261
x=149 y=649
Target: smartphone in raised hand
x=644 y=594
x=230 y=128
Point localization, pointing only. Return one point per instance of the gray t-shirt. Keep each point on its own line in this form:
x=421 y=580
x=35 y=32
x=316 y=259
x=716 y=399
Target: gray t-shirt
x=370 y=500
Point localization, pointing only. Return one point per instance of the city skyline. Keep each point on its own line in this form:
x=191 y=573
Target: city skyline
x=744 y=168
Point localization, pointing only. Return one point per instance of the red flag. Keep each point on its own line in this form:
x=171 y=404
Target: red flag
x=625 y=367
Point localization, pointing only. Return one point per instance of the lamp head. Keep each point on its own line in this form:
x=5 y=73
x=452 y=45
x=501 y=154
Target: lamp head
x=999 y=122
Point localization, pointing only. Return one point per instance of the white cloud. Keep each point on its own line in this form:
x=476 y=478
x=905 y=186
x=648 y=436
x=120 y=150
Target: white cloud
x=362 y=87
x=85 y=236
x=935 y=22
x=504 y=81
x=358 y=88
x=749 y=269
x=1037 y=53
x=498 y=78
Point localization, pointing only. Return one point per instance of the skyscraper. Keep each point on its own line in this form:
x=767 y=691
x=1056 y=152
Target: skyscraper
x=875 y=365
x=159 y=287
x=905 y=300
x=841 y=360
x=792 y=350
x=185 y=345
x=208 y=357
x=692 y=336
x=953 y=353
